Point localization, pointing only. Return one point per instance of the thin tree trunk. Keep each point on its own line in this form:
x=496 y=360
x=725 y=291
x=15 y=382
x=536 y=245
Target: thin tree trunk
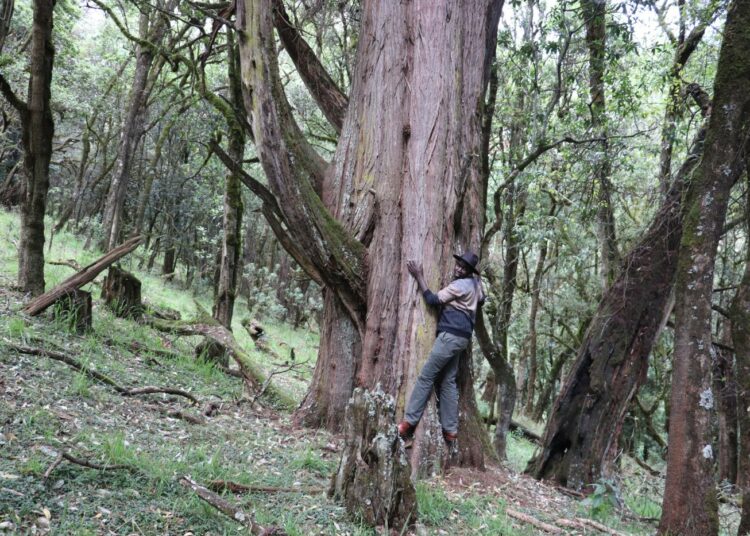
x=231 y=244
x=594 y=15
x=690 y=500
x=132 y=130
x=535 y=292
x=38 y=129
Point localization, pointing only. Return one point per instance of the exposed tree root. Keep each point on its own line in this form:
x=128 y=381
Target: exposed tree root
x=98 y=376
x=229 y=509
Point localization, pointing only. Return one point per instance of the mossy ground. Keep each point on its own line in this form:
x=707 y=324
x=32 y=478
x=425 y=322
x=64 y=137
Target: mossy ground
x=46 y=406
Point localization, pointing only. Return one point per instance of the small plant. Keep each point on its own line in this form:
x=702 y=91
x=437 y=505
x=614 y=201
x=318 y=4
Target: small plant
x=17 y=327
x=604 y=499
x=312 y=462
x=80 y=385
x=433 y=505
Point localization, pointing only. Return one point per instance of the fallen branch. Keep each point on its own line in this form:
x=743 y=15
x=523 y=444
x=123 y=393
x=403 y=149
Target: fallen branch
x=273 y=373
x=75 y=364
x=598 y=526
x=206 y=326
x=77 y=280
x=70 y=263
x=546 y=527
x=153 y=390
x=228 y=509
x=61 y=455
x=234 y=487
x=646 y=467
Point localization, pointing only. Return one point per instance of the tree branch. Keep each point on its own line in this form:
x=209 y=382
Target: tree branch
x=293 y=169
x=331 y=100
x=11 y=97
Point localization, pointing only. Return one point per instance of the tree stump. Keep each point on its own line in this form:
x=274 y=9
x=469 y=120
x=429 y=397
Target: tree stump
x=74 y=310
x=121 y=292
x=212 y=351
x=373 y=478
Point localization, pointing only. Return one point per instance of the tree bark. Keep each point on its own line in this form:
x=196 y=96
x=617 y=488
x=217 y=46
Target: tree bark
x=740 y=319
x=404 y=184
x=690 y=500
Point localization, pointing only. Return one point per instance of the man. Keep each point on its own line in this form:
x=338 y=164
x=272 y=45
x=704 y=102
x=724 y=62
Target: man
x=459 y=302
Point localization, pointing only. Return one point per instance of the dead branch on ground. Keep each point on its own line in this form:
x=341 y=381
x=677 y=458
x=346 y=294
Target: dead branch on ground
x=61 y=455
x=234 y=487
x=546 y=527
x=229 y=509
x=98 y=376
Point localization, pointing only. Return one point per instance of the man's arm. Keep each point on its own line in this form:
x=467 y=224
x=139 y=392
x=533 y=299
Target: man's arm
x=415 y=269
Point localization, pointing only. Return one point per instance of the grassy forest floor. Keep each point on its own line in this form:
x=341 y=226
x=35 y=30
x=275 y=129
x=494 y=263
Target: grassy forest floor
x=47 y=407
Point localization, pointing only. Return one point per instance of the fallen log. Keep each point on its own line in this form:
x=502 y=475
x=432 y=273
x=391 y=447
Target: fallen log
x=77 y=280
x=519 y=429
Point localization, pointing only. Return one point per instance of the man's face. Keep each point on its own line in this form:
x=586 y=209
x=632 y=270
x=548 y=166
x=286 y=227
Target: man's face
x=460 y=270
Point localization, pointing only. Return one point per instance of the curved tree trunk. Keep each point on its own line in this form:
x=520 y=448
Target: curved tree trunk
x=613 y=359
x=404 y=184
x=690 y=499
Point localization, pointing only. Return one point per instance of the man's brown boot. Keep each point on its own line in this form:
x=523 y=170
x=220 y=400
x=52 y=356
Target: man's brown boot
x=405 y=429
x=450 y=437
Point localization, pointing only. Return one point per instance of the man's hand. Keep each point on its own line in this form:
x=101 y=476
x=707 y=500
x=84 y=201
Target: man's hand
x=415 y=269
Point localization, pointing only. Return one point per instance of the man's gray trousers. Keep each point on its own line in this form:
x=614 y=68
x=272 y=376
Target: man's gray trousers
x=439 y=371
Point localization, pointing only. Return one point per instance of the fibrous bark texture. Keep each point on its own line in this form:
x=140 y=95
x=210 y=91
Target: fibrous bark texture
x=613 y=359
x=740 y=313
x=404 y=184
x=373 y=477
x=690 y=501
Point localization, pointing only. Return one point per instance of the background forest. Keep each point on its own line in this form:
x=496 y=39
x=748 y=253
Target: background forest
x=271 y=165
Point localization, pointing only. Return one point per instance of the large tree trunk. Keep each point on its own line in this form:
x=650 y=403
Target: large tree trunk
x=594 y=14
x=740 y=314
x=613 y=359
x=690 y=501
x=404 y=184
x=231 y=244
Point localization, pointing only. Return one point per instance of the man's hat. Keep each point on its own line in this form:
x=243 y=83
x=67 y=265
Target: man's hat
x=471 y=260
